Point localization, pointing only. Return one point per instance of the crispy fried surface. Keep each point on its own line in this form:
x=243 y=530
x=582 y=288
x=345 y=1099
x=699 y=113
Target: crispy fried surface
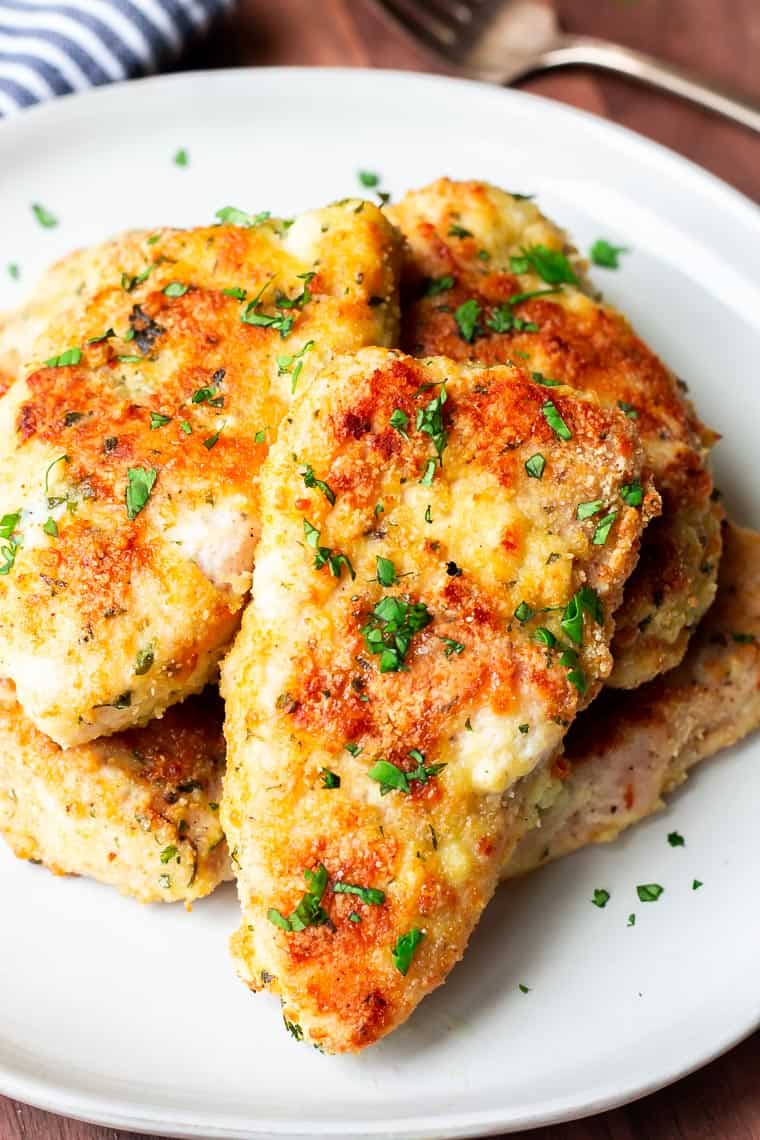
x=116 y=607
x=466 y=233
x=138 y=810
x=468 y=542
x=630 y=749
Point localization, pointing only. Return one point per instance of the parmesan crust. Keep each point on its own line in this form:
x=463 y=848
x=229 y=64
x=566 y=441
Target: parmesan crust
x=471 y=558
x=472 y=238
x=131 y=457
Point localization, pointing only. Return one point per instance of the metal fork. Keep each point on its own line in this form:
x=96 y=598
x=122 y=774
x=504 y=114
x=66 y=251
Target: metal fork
x=502 y=41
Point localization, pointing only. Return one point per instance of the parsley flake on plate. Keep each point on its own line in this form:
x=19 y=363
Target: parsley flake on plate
x=535 y=466
x=310 y=481
x=649 y=892
x=391 y=777
x=47 y=220
x=606 y=255
x=390 y=627
x=601 y=897
x=675 y=839
x=70 y=356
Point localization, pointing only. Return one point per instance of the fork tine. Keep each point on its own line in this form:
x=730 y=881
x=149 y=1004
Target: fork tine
x=453 y=10
x=415 y=17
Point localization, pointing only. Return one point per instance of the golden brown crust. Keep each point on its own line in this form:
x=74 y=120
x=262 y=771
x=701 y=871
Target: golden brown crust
x=469 y=541
x=134 y=463
x=138 y=810
x=629 y=749
x=467 y=233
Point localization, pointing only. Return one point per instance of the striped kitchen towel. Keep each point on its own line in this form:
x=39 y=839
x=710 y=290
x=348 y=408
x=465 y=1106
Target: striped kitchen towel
x=49 y=48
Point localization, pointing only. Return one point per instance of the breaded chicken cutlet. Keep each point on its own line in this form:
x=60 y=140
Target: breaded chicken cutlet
x=138 y=810
x=129 y=454
x=630 y=749
x=428 y=614
x=488 y=277
x=621 y=757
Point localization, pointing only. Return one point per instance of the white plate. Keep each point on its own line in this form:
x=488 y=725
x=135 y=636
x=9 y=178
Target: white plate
x=132 y=1016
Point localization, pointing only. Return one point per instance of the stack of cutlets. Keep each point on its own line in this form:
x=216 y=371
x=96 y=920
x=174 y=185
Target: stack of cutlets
x=423 y=495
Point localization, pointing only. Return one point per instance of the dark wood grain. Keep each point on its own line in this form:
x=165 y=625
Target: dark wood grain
x=722 y=40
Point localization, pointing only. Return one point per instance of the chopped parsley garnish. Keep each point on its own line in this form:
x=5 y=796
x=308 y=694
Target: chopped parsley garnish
x=14 y=270
x=176 y=289
x=524 y=612
x=606 y=255
x=308 y=912
x=451 y=646
x=212 y=440
x=144 y=662
x=392 y=778
x=70 y=356
x=157 y=420
x=455 y=230
x=535 y=466
x=438 y=285
x=400 y=421
x=675 y=839
x=47 y=220
x=168 y=854
x=368 y=178
x=601 y=897
x=629 y=409
x=325 y=555
x=603 y=528
x=130 y=359
x=545 y=381
x=428 y=474
x=586 y=599
x=524 y=729
x=551 y=265
x=293 y=1028
x=354 y=749
x=555 y=421
x=140 y=482
x=390 y=627
x=504 y=319
x=379 y=508
x=354 y=917
x=50 y=466
x=50 y=527
x=129 y=283
x=523 y=988
x=236 y=292
x=386 y=572
x=632 y=494
x=649 y=892
x=403 y=952
x=430 y=421
x=310 y=480
x=285 y=365
x=586 y=510
x=631 y=920
x=9 y=545
x=370 y=895
x=697 y=884
x=103 y=336
x=181 y=158
x=545 y=637
x=185 y=427
x=466 y=317
x=231 y=216
x=468 y=725
x=260 y=436
x=208 y=395
x=329 y=779
x=428 y=515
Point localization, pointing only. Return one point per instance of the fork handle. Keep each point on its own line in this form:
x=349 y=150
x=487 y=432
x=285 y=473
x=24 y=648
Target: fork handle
x=589 y=52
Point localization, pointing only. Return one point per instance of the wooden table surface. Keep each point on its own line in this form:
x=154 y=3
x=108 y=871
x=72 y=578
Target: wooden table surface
x=720 y=38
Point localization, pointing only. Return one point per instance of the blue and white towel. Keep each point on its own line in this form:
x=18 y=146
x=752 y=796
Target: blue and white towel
x=49 y=48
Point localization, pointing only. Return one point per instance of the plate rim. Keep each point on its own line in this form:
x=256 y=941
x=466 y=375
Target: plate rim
x=111 y=1111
